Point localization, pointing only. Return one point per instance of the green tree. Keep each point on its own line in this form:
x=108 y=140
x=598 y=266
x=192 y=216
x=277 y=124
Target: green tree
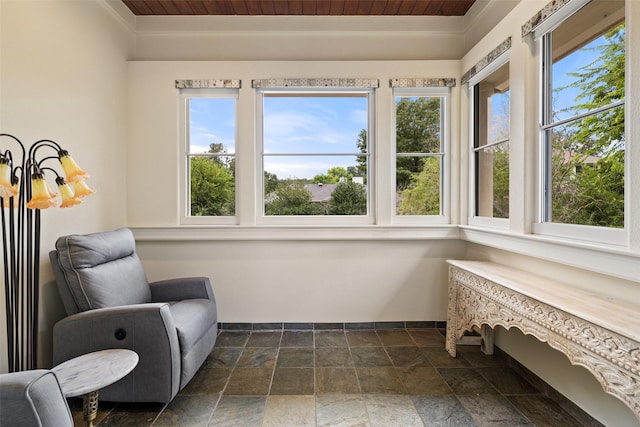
x=585 y=191
x=348 y=198
x=417 y=131
x=212 y=188
x=501 y=182
x=270 y=182
x=332 y=176
x=422 y=197
x=361 y=143
x=291 y=199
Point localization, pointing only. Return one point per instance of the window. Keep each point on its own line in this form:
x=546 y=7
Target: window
x=490 y=130
x=316 y=152
x=583 y=136
x=210 y=141
x=420 y=115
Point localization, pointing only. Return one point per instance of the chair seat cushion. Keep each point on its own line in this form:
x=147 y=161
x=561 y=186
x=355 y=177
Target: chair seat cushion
x=193 y=318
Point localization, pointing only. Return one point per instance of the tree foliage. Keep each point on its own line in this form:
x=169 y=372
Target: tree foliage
x=362 y=144
x=588 y=155
x=212 y=188
x=332 y=176
x=417 y=131
x=422 y=197
x=348 y=198
x=291 y=199
x=501 y=182
x=270 y=182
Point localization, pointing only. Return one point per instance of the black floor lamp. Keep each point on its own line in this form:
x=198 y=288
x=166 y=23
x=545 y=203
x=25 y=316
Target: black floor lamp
x=23 y=193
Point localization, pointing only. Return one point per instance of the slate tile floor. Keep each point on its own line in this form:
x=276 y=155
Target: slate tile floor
x=383 y=377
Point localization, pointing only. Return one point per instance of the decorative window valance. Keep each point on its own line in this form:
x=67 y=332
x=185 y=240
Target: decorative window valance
x=547 y=18
x=208 y=84
x=423 y=82
x=314 y=83
x=492 y=56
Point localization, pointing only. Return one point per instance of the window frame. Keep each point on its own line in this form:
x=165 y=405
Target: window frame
x=542 y=225
x=445 y=148
x=184 y=153
x=473 y=219
x=294 y=220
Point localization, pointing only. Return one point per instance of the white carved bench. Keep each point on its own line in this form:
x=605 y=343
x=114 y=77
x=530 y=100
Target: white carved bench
x=593 y=331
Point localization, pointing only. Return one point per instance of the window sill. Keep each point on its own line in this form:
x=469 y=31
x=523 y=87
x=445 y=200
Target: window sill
x=282 y=233
x=600 y=258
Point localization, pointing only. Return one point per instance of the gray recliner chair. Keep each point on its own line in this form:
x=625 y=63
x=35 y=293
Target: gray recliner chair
x=171 y=324
x=33 y=398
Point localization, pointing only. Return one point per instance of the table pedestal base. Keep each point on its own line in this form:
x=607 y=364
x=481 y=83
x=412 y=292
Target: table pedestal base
x=90 y=407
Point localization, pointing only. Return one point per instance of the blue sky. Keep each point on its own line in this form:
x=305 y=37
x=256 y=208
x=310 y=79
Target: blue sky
x=212 y=120
x=576 y=60
x=311 y=125
x=292 y=125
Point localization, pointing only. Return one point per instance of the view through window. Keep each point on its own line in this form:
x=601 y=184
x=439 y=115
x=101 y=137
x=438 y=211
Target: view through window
x=315 y=152
x=419 y=154
x=583 y=117
x=211 y=155
x=491 y=144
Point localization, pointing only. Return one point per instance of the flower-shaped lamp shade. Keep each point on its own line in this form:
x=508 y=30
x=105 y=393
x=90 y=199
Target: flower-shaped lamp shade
x=66 y=193
x=71 y=168
x=16 y=200
x=81 y=189
x=7 y=189
x=42 y=197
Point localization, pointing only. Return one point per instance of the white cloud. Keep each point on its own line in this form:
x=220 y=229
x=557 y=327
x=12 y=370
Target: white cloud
x=307 y=132
x=201 y=137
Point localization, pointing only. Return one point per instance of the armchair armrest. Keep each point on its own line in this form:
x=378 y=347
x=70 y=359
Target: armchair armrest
x=33 y=398
x=147 y=329
x=181 y=289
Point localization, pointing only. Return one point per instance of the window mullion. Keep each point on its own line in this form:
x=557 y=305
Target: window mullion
x=583 y=115
x=492 y=144
x=546 y=113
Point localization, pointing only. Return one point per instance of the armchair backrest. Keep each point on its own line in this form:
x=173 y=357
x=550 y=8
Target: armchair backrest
x=99 y=270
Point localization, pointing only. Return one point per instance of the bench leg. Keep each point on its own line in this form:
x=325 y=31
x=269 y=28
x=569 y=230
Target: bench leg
x=486 y=342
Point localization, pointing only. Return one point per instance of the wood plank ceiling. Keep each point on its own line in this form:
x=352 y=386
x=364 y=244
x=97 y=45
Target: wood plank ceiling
x=300 y=7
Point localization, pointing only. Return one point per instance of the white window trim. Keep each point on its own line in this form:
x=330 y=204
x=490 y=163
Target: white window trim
x=184 y=178
x=445 y=172
x=582 y=233
x=490 y=68
x=554 y=20
x=617 y=237
x=311 y=220
x=472 y=219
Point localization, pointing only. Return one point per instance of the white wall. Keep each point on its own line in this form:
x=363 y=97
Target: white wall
x=63 y=77
x=313 y=281
x=299 y=38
